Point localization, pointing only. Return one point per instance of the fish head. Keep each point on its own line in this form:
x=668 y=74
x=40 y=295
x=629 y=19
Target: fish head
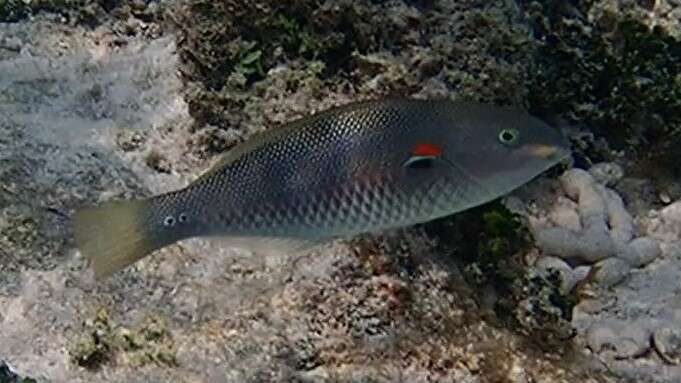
x=501 y=148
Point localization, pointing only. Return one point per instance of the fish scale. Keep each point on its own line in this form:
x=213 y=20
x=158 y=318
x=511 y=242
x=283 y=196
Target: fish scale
x=364 y=167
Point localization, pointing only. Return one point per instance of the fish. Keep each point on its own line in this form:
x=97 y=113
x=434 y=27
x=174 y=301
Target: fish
x=361 y=168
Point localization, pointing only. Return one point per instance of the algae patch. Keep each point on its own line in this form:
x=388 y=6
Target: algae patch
x=611 y=70
x=247 y=65
x=85 y=12
x=105 y=342
x=491 y=244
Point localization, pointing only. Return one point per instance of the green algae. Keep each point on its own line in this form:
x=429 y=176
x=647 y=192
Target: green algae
x=157 y=161
x=612 y=72
x=491 y=243
x=106 y=342
x=81 y=11
x=88 y=13
x=486 y=238
x=95 y=348
x=361 y=52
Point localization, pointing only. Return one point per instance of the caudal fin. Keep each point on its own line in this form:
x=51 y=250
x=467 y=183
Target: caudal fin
x=113 y=236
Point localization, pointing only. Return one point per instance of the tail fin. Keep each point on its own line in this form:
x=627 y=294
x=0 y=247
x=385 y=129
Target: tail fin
x=113 y=235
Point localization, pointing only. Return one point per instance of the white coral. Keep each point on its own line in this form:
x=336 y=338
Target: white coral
x=665 y=224
x=590 y=225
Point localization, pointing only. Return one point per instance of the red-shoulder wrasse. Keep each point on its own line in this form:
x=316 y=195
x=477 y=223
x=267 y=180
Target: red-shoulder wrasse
x=361 y=168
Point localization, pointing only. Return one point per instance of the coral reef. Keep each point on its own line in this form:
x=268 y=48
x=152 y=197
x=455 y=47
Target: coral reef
x=265 y=68
x=232 y=317
x=614 y=66
x=8 y=376
x=593 y=227
x=130 y=17
x=490 y=243
x=569 y=279
x=151 y=343
x=40 y=157
x=619 y=267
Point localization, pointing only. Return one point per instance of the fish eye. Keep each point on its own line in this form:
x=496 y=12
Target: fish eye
x=169 y=221
x=182 y=218
x=509 y=136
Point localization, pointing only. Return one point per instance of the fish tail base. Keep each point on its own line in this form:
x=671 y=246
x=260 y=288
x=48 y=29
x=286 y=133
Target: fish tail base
x=113 y=236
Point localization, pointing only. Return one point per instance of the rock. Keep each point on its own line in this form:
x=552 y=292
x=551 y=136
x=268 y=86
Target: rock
x=600 y=335
x=667 y=343
x=580 y=272
x=567 y=275
x=6 y=374
x=547 y=262
x=637 y=192
x=671 y=250
x=611 y=271
x=588 y=307
x=130 y=140
x=664 y=225
x=607 y=173
x=672 y=213
x=515 y=205
x=622 y=340
x=9 y=376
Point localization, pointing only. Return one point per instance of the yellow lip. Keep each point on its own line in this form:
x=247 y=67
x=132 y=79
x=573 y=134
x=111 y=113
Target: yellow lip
x=543 y=151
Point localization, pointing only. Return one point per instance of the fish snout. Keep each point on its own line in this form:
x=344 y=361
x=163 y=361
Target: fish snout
x=547 y=152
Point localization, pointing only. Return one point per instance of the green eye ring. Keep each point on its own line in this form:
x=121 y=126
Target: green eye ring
x=509 y=136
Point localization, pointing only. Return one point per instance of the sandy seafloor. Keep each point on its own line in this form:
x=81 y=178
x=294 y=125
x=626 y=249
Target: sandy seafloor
x=81 y=114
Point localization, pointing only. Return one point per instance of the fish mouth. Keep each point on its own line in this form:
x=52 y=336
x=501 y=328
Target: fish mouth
x=548 y=152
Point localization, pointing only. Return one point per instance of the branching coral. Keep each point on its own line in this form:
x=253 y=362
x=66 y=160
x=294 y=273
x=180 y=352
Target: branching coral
x=622 y=268
x=590 y=226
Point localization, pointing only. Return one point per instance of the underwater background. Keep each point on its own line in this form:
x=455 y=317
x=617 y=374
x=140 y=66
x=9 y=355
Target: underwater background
x=573 y=277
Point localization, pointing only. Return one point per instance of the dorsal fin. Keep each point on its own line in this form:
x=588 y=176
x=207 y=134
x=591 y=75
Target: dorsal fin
x=254 y=141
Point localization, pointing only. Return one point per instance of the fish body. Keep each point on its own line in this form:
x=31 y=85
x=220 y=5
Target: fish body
x=363 y=167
